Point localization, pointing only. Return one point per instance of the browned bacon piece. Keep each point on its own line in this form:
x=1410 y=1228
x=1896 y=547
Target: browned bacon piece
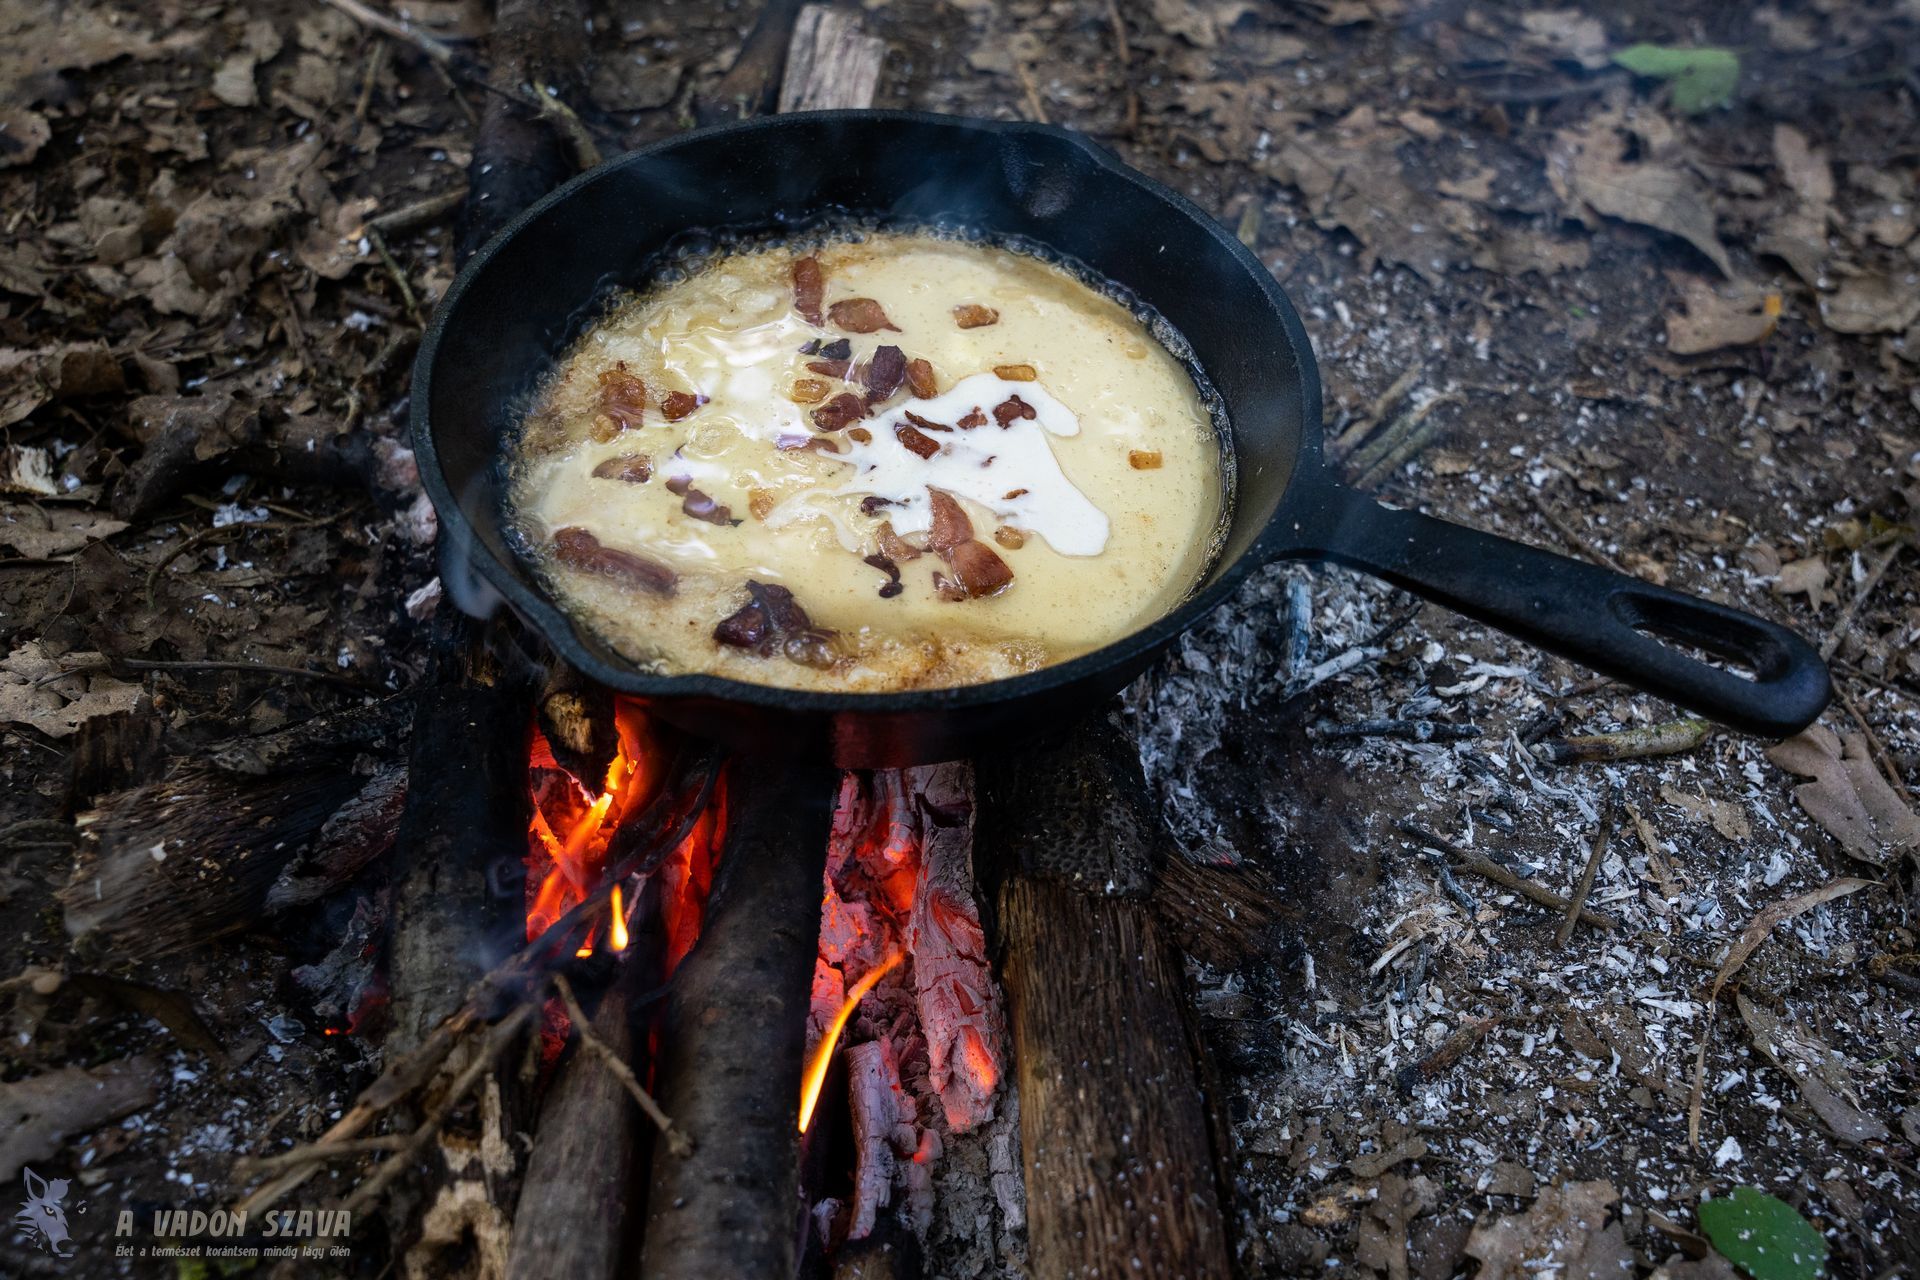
x=893 y=546
x=885 y=564
x=702 y=507
x=917 y=440
x=1015 y=372
x=980 y=571
x=831 y=368
x=623 y=397
x=920 y=379
x=676 y=405
x=884 y=373
x=808 y=391
x=577 y=548
x=971 y=315
x=1143 y=459
x=860 y=315
x=772 y=621
x=1011 y=408
x=958 y=1000
x=808 y=285
x=925 y=424
x=633 y=468
x=974 y=418
x=841 y=411
x=951 y=526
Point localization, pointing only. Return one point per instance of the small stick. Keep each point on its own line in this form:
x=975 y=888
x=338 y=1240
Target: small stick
x=1880 y=754
x=1405 y=730
x=1350 y=437
x=379 y=243
x=1034 y=104
x=1573 y=538
x=421 y=213
x=1844 y=623
x=438 y=50
x=1451 y=1050
x=1881 y=683
x=214 y=664
x=1585 y=886
x=248 y=1166
x=1665 y=739
x=1488 y=869
x=681 y=1144
x=1399 y=443
x=1125 y=53
x=374 y=61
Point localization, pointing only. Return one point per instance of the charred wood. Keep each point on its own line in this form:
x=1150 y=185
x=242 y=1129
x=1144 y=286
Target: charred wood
x=734 y=1035
x=1224 y=916
x=1120 y=1162
x=751 y=86
x=358 y=833
x=115 y=752
x=576 y=718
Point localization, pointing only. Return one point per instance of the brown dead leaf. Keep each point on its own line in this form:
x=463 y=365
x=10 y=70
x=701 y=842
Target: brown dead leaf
x=1808 y=577
x=1873 y=304
x=1767 y=919
x=1848 y=796
x=1588 y=168
x=1567 y=34
x=40 y=1112
x=1728 y=817
x=41 y=532
x=36 y=690
x=22 y=134
x=31 y=378
x=1803 y=166
x=1380 y=1241
x=27 y=470
x=233 y=80
x=1565 y=1230
x=1713 y=319
x=1824 y=1078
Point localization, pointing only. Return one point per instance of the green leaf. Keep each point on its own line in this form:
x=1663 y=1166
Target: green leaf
x=1702 y=78
x=1763 y=1236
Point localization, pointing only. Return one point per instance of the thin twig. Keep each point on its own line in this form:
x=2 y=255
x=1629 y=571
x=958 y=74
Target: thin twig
x=439 y=50
x=1881 y=755
x=379 y=243
x=421 y=213
x=1578 y=901
x=367 y=82
x=676 y=1139
x=1034 y=105
x=299 y=1157
x=1844 y=623
x=1488 y=869
x=1572 y=538
x=214 y=664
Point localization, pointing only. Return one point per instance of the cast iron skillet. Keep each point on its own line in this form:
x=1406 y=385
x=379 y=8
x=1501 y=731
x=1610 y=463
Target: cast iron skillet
x=527 y=294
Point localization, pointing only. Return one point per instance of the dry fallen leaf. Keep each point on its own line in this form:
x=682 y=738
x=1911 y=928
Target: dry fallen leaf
x=1848 y=796
x=36 y=690
x=41 y=532
x=1768 y=918
x=22 y=134
x=1713 y=319
x=1806 y=577
x=1587 y=166
x=1565 y=1231
x=1823 y=1077
x=1568 y=34
x=1873 y=304
x=40 y=1112
x=27 y=469
x=31 y=378
x=1728 y=817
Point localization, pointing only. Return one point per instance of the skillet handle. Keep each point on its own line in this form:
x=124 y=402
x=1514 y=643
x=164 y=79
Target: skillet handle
x=1619 y=626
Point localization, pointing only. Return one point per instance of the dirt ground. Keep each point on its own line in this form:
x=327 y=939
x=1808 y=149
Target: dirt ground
x=1660 y=322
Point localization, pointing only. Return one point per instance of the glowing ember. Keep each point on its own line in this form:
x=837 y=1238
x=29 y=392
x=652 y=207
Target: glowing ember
x=816 y=1075
x=569 y=830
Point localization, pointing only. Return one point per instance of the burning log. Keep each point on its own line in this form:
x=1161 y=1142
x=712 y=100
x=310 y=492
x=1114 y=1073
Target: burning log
x=733 y=1037
x=1114 y=1127
x=576 y=718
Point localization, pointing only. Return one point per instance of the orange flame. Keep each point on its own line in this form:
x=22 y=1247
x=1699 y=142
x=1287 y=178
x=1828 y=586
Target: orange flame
x=816 y=1076
x=575 y=854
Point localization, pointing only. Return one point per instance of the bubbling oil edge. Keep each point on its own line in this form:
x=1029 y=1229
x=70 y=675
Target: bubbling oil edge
x=691 y=252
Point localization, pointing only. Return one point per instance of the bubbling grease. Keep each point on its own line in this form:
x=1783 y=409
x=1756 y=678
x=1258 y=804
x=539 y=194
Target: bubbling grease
x=1077 y=446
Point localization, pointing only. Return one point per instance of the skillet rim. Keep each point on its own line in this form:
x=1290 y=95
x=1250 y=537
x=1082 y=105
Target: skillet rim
x=558 y=627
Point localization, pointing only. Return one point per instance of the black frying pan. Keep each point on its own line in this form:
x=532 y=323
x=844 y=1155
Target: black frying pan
x=524 y=297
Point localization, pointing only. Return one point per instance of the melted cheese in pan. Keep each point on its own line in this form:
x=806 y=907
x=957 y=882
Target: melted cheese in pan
x=1101 y=493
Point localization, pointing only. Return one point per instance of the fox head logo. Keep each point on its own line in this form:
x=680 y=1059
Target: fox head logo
x=43 y=1217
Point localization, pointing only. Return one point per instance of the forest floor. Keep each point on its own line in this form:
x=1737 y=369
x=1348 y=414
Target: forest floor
x=1548 y=301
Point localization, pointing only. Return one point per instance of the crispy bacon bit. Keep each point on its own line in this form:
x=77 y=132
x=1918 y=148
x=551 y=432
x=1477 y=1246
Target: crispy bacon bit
x=971 y=315
x=808 y=285
x=577 y=548
x=807 y=444
x=951 y=527
x=634 y=468
x=838 y=349
x=843 y=410
x=761 y=503
x=861 y=434
x=925 y=424
x=830 y=368
x=860 y=315
x=773 y=621
x=1009 y=537
x=679 y=485
x=604 y=428
x=1011 y=408
x=918 y=441
x=678 y=404
x=974 y=418
x=1143 y=459
x=809 y=347
x=1011 y=494
x=885 y=564
x=623 y=397
x=871 y=504
x=808 y=391
x=1015 y=372
x=893 y=546
x=885 y=372
x=947 y=589
x=701 y=507
x=979 y=570
x=920 y=379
